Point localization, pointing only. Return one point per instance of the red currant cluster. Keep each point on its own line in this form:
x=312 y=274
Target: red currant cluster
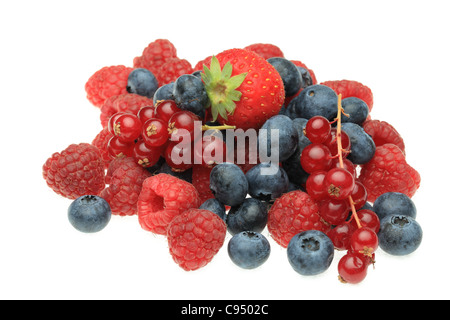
x=158 y=131
x=332 y=183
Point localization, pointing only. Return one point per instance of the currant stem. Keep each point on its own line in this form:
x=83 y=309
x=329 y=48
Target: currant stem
x=224 y=127
x=341 y=159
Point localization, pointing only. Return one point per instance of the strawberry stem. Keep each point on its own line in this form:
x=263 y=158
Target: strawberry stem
x=341 y=159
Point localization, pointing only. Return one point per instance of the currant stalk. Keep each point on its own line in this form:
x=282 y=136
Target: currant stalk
x=340 y=156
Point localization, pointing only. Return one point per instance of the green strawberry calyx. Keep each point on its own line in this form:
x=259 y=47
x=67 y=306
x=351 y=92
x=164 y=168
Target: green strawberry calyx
x=221 y=88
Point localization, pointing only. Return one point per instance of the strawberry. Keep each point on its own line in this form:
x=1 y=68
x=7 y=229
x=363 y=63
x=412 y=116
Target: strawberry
x=244 y=89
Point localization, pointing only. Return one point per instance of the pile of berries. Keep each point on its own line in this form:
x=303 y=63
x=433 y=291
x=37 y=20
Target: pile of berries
x=243 y=141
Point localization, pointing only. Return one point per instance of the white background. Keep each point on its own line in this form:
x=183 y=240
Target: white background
x=49 y=50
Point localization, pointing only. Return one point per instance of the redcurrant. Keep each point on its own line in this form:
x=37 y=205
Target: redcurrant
x=147 y=112
x=166 y=109
x=112 y=120
x=318 y=129
x=315 y=157
x=341 y=235
x=331 y=143
x=179 y=156
x=368 y=219
x=181 y=126
x=144 y=155
x=154 y=132
x=352 y=268
x=127 y=127
x=117 y=148
x=365 y=241
x=210 y=150
x=339 y=183
x=314 y=185
x=334 y=211
x=359 y=195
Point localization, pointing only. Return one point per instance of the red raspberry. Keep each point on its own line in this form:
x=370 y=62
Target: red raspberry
x=155 y=55
x=162 y=198
x=388 y=171
x=107 y=82
x=78 y=170
x=194 y=238
x=266 y=50
x=292 y=213
x=382 y=133
x=101 y=142
x=128 y=102
x=125 y=184
x=172 y=69
x=351 y=88
x=200 y=180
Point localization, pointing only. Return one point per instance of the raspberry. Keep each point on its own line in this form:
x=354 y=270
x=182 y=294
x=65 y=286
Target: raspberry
x=388 y=171
x=194 y=238
x=78 y=170
x=107 y=82
x=293 y=213
x=172 y=69
x=125 y=184
x=382 y=133
x=200 y=180
x=162 y=198
x=266 y=50
x=127 y=102
x=101 y=142
x=351 y=88
x=155 y=55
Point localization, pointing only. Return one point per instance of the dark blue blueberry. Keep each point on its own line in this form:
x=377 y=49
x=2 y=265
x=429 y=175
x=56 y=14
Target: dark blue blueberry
x=89 y=213
x=248 y=249
x=183 y=175
x=250 y=215
x=164 y=92
x=228 y=184
x=278 y=135
x=394 y=203
x=142 y=82
x=399 y=235
x=306 y=77
x=267 y=181
x=215 y=206
x=292 y=79
x=315 y=100
x=310 y=252
x=190 y=94
x=356 y=108
x=362 y=145
x=292 y=165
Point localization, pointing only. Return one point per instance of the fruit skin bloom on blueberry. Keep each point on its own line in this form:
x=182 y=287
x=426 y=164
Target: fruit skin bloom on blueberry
x=310 y=252
x=248 y=249
x=228 y=184
x=89 y=213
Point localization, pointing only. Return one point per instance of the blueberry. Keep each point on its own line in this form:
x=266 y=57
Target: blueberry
x=315 y=100
x=267 y=181
x=248 y=249
x=292 y=165
x=142 y=82
x=250 y=215
x=89 y=213
x=306 y=77
x=310 y=252
x=214 y=206
x=228 y=184
x=280 y=136
x=190 y=94
x=183 y=175
x=362 y=145
x=164 y=92
x=399 y=235
x=356 y=108
x=394 y=203
x=292 y=79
